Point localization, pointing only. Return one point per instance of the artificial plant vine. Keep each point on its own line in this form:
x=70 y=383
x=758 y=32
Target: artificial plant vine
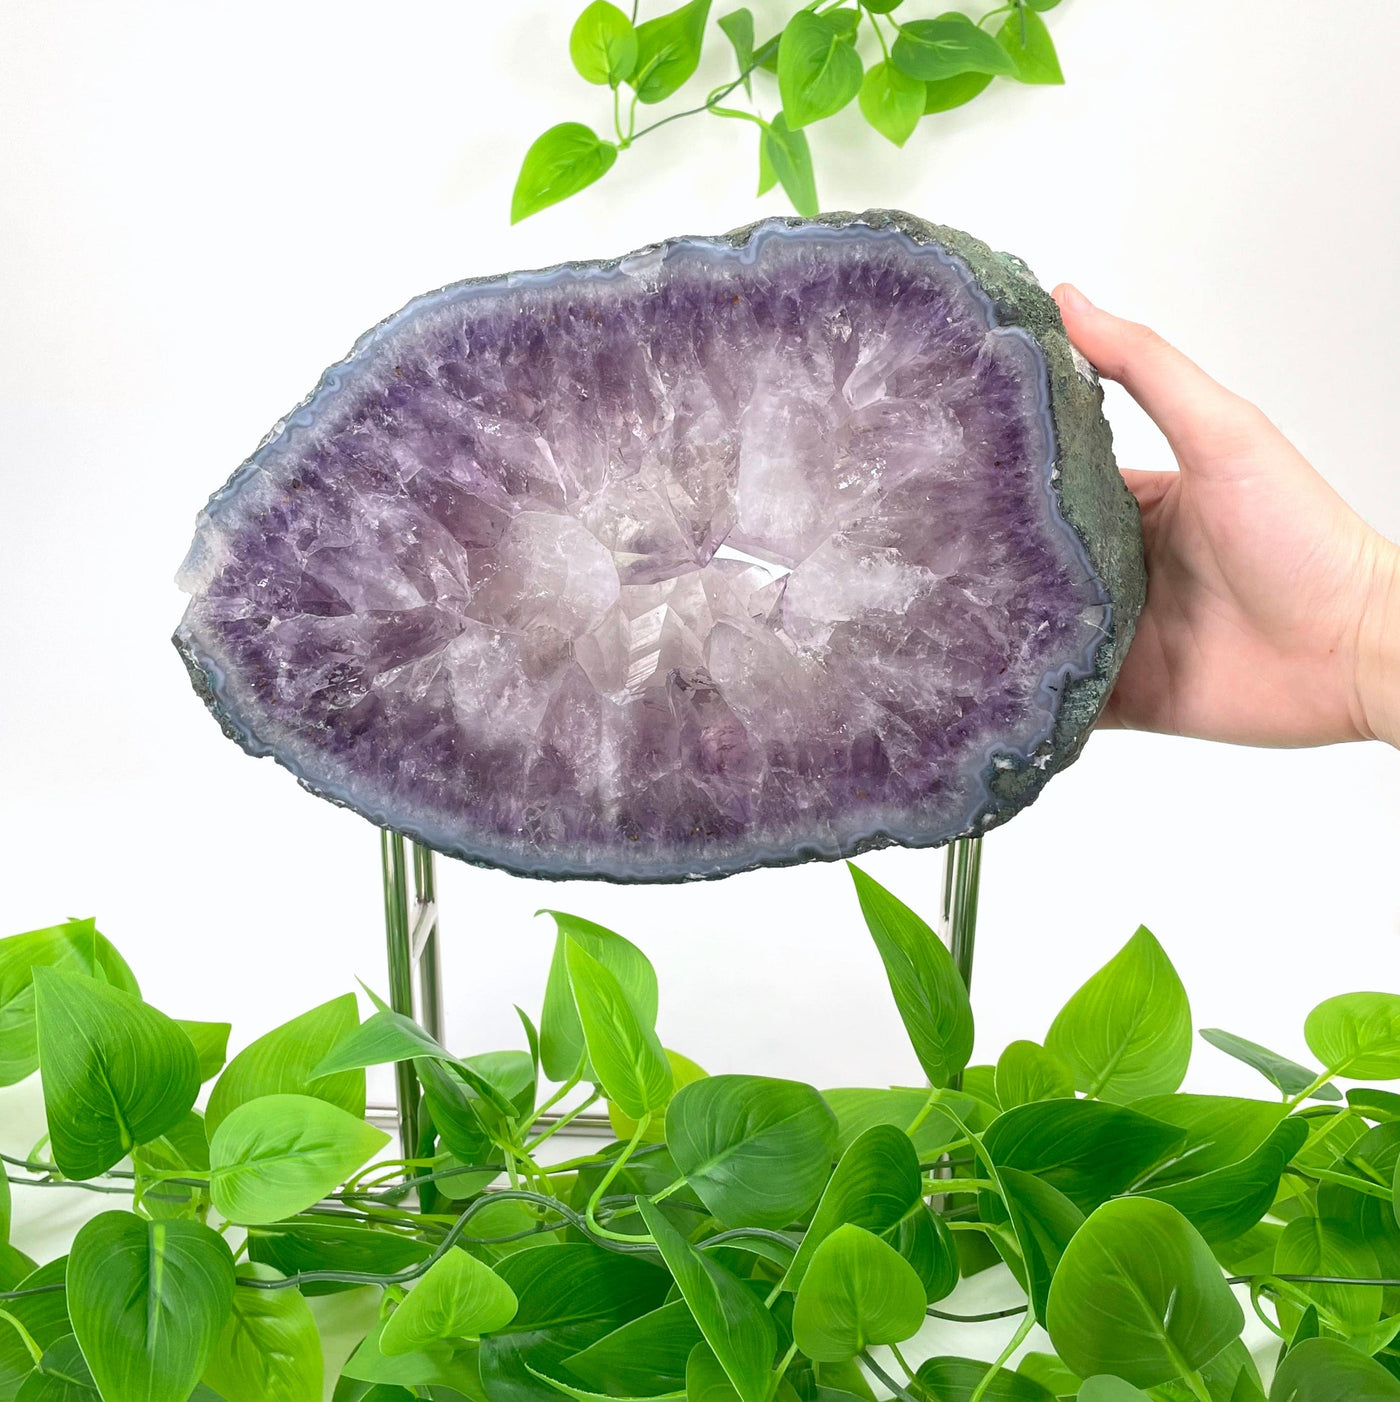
x=897 y=69
x=743 y=1237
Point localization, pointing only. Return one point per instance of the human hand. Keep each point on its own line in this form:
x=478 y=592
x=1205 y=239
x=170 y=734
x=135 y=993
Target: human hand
x=1273 y=609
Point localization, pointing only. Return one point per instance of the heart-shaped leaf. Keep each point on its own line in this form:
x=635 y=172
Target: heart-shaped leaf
x=116 y=1072
x=284 y=1062
x=757 y=1151
x=276 y=1156
x=75 y=947
x=148 y=1301
x=819 y=71
x=628 y=1059
x=1138 y=1294
x=270 y=1348
x=561 y=1034
x=876 y=1183
x=1127 y=1032
x=458 y=1297
x=1328 y=1370
x=856 y=1292
x=1357 y=1035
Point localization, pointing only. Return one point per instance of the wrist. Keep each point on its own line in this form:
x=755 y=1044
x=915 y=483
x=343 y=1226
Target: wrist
x=1378 y=662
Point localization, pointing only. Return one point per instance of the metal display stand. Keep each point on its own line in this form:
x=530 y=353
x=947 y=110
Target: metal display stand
x=415 y=960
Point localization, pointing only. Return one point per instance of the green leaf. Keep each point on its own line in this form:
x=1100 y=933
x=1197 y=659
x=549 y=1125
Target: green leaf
x=328 y=1246
x=284 y=1062
x=1357 y=1035
x=568 y=1297
x=1287 y=1075
x=819 y=71
x=440 y=1367
x=1327 y=1370
x=876 y=1183
x=270 y=1348
x=62 y=1376
x=1138 y=1294
x=735 y=1324
x=561 y=1034
x=1219 y=1130
x=148 y=1302
x=784 y=157
x=956 y=1379
x=1381 y=1105
x=116 y=1072
x=928 y=990
x=567 y=158
x=944 y=94
x=43 y=1316
x=756 y=1150
x=1330 y=1246
x=1049 y=1372
x=858 y=1108
x=1026 y=1072
x=210 y=1041
x=738 y=29
x=892 y=102
x=645 y=1357
x=857 y=1291
x=458 y=1297
x=278 y=1155
x=1086 y=1149
x=923 y=1238
x=1106 y=1388
x=880 y=7
x=939 y=48
x=1127 y=1032
x=683 y=1072
x=627 y=1057
x=668 y=51
x=603 y=45
x=1044 y=1221
x=1224 y=1203
x=75 y=947
x=1024 y=36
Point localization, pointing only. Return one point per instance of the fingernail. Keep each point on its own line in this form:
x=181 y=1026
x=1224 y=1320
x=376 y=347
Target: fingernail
x=1074 y=299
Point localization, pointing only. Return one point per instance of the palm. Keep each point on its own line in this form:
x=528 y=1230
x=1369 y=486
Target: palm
x=1258 y=572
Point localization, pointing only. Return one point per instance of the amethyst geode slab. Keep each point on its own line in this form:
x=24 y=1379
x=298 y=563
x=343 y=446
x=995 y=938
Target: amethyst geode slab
x=733 y=552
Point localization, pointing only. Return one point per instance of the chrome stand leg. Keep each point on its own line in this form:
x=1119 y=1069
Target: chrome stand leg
x=412 y=942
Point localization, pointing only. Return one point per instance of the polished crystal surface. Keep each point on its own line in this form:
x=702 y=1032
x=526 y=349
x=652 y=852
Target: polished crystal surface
x=725 y=554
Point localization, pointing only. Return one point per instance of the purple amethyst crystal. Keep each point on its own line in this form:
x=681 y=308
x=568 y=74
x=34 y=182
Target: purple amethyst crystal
x=733 y=552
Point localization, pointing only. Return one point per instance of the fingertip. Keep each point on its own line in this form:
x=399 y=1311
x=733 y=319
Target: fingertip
x=1071 y=299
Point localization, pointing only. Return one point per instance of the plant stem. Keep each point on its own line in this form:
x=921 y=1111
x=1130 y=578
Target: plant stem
x=617 y=1165
x=899 y=1391
x=1017 y=1339
x=899 y=1358
x=560 y=1123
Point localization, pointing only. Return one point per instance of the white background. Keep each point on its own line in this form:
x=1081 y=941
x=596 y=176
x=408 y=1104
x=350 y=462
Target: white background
x=202 y=204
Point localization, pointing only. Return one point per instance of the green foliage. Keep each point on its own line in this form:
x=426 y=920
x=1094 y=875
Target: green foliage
x=269 y=1349
x=116 y=1072
x=928 y=991
x=1127 y=1032
x=902 y=67
x=747 y=1239
x=285 y=1062
x=858 y=1291
x=148 y=1301
x=1139 y=1295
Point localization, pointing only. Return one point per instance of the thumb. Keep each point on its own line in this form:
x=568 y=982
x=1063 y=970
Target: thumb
x=1191 y=409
